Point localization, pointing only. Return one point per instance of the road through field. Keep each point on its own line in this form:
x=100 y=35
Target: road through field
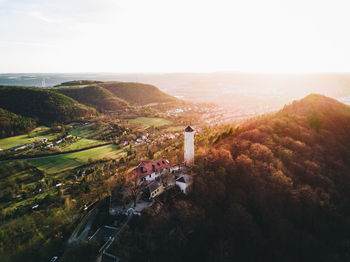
x=54 y=155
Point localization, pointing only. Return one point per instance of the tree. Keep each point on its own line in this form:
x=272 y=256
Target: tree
x=150 y=154
x=134 y=185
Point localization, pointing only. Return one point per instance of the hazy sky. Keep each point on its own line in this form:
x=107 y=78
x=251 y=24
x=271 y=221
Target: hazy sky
x=174 y=36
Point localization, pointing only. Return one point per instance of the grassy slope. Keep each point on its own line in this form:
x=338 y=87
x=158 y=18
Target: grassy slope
x=36 y=135
x=82 y=143
x=44 y=104
x=42 y=132
x=151 y=121
x=60 y=163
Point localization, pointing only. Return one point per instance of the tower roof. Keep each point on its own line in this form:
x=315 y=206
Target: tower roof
x=189 y=129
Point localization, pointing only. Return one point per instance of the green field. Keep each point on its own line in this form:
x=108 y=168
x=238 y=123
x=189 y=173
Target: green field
x=82 y=143
x=55 y=164
x=44 y=132
x=83 y=131
x=36 y=135
x=151 y=121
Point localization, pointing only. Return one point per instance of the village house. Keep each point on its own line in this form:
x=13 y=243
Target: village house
x=184 y=182
x=19 y=147
x=149 y=171
x=152 y=190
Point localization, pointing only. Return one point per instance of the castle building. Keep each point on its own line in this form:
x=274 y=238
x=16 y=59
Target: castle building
x=189 y=146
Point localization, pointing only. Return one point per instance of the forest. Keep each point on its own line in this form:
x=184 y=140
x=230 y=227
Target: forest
x=276 y=188
x=44 y=105
x=11 y=124
x=95 y=96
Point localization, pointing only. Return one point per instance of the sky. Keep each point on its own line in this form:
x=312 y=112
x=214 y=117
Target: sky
x=155 y=36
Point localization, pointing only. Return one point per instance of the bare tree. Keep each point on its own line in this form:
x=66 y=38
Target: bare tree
x=134 y=185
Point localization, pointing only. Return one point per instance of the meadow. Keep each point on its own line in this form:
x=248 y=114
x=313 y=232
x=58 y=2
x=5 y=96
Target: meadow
x=151 y=121
x=36 y=135
x=60 y=163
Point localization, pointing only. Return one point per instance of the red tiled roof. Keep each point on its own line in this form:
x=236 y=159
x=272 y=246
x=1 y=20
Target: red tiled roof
x=147 y=168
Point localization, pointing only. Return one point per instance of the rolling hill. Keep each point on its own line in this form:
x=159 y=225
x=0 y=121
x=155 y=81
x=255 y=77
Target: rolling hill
x=276 y=188
x=137 y=93
x=79 y=82
x=95 y=96
x=44 y=105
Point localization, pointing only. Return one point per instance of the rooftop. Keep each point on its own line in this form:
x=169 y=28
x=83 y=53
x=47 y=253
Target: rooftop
x=189 y=129
x=147 y=168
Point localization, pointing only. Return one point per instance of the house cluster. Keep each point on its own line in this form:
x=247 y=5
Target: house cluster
x=136 y=141
x=158 y=175
x=23 y=146
x=57 y=142
x=155 y=177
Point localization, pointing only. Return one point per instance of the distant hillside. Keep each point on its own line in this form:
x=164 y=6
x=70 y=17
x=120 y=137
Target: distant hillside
x=137 y=93
x=44 y=105
x=276 y=188
x=95 y=96
x=79 y=82
x=12 y=124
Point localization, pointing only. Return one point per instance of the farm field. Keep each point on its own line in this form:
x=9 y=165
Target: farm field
x=82 y=131
x=82 y=143
x=60 y=163
x=36 y=135
x=151 y=121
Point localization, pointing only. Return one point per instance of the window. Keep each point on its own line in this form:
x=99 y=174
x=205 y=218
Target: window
x=158 y=164
x=163 y=162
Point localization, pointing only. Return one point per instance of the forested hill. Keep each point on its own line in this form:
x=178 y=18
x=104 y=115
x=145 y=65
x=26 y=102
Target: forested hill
x=113 y=95
x=275 y=189
x=137 y=93
x=95 y=96
x=12 y=124
x=44 y=105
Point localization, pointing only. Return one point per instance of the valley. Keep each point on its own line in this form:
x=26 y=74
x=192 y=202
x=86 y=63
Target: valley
x=82 y=177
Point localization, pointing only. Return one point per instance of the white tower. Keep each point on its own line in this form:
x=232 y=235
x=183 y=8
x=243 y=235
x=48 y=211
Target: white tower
x=189 y=146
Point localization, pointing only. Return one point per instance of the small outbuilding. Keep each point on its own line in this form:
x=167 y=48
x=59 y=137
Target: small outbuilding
x=152 y=190
x=184 y=182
